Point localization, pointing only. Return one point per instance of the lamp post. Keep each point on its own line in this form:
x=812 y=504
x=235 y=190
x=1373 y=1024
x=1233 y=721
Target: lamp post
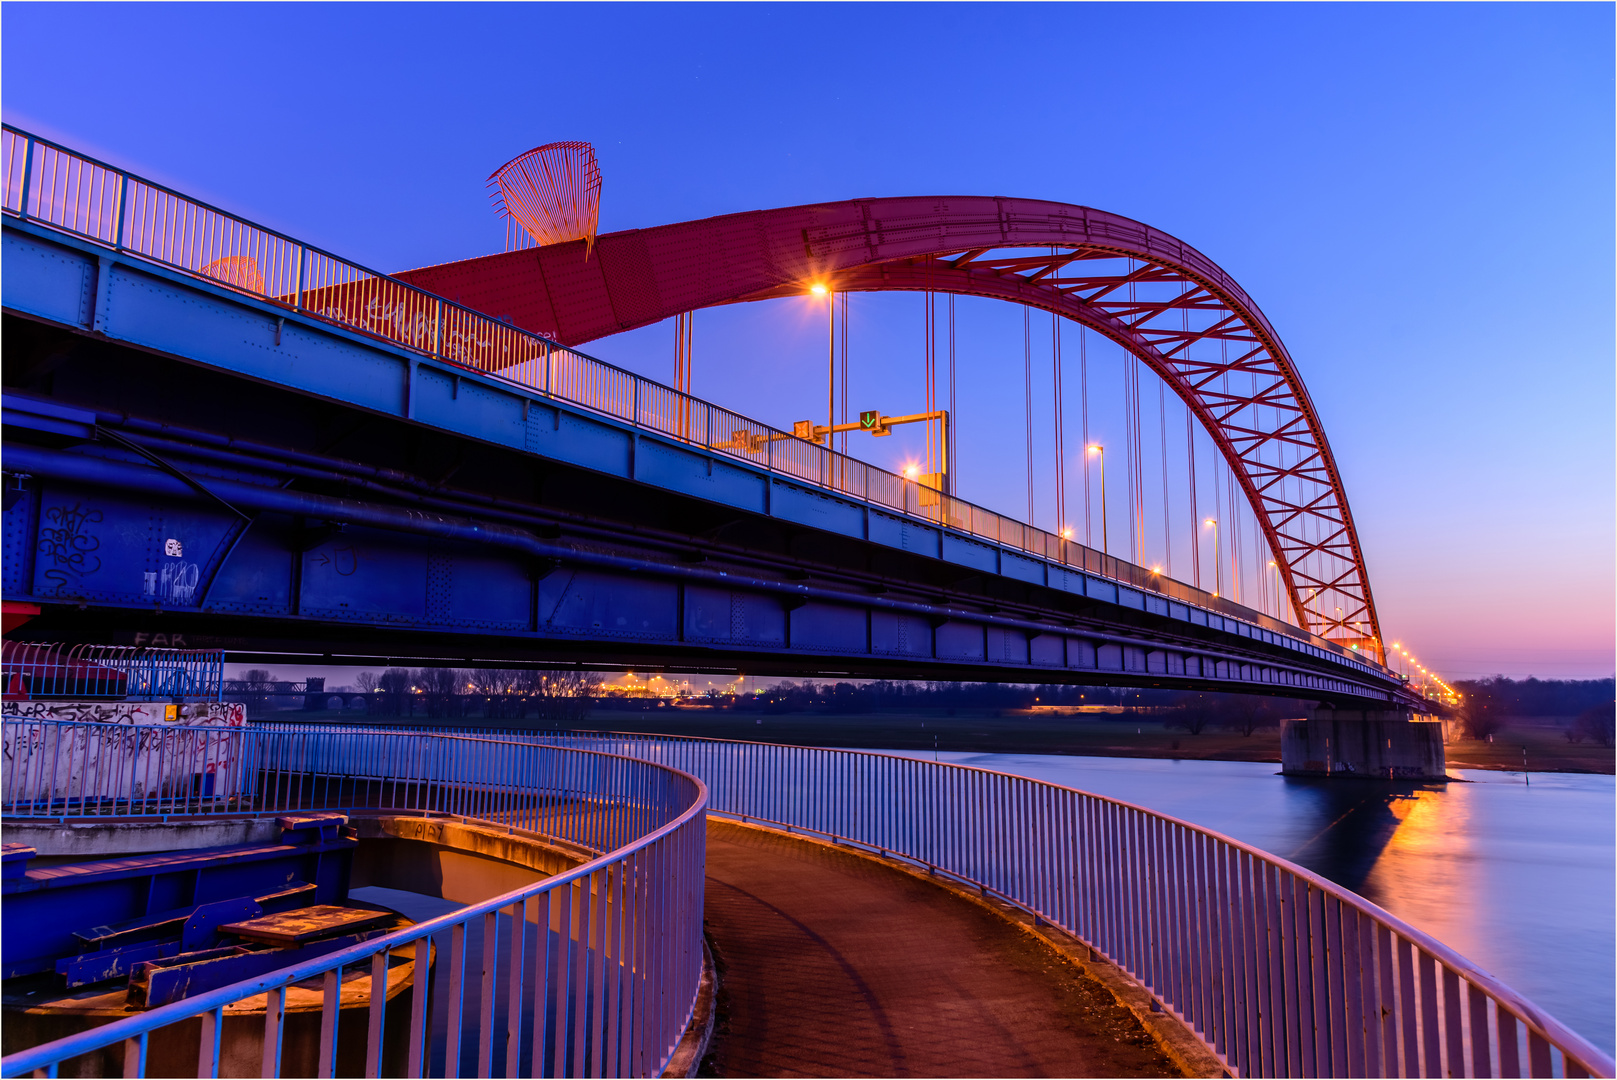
x=831 y=353
x=1105 y=542
x=1218 y=569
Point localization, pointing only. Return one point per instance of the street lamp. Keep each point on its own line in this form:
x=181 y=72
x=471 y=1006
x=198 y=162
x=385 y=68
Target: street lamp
x=1105 y=542
x=1218 y=569
x=819 y=289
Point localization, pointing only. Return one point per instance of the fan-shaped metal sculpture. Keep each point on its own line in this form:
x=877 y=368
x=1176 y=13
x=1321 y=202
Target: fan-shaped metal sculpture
x=238 y=270
x=553 y=192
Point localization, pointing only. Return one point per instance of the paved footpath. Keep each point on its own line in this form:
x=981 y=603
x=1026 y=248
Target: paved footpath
x=832 y=964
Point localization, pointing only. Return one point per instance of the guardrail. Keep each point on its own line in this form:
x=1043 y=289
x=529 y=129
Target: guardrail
x=1279 y=971
x=615 y=943
x=34 y=671
x=55 y=186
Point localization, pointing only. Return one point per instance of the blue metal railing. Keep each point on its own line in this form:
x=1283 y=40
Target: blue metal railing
x=51 y=185
x=38 y=671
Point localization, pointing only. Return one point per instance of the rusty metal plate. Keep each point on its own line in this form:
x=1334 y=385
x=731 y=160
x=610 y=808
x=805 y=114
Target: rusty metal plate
x=305 y=924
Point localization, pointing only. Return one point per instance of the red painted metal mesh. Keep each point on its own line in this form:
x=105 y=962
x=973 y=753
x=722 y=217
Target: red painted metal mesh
x=552 y=191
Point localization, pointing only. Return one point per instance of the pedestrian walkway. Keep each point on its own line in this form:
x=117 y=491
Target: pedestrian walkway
x=833 y=964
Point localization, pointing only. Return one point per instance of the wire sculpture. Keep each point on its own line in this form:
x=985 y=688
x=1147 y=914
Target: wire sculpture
x=238 y=270
x=552 y=193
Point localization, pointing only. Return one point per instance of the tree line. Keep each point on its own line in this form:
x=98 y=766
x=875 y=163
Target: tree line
x=1186 y=710
x=454 y=693
x=1590 y=705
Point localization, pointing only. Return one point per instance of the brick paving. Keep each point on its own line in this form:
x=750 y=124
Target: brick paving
x=832 y=964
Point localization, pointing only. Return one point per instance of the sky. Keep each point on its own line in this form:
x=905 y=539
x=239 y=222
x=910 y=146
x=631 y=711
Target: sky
x=1419 y=197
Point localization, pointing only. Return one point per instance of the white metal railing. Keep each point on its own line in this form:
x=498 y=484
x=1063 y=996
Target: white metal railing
x=604 y=959
x=1279 y=971
x=52 y=185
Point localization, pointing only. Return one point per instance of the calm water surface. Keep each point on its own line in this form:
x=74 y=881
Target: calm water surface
x=1519 y=878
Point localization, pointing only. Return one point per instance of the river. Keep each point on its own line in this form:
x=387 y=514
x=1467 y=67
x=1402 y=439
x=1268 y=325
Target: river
x=1518 y=877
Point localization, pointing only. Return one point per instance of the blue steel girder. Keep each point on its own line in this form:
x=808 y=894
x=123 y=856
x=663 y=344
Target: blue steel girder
x=96 y=516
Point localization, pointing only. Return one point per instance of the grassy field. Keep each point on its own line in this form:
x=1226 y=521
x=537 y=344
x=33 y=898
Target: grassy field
x=1545 y=744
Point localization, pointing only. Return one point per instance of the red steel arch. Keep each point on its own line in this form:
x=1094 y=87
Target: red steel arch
x=1153 y=294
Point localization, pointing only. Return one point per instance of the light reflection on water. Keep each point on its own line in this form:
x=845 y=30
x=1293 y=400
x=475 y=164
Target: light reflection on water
x=1519 y=878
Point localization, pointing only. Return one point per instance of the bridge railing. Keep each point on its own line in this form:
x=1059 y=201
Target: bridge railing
x=43 y=671
x=605 y=959
x=53 y=185
x=1279 y=971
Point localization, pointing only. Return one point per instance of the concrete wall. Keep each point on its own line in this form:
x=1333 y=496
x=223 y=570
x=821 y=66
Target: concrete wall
x=196 y=714
x=1372 y=748
x=135 y=750
x=464 y=863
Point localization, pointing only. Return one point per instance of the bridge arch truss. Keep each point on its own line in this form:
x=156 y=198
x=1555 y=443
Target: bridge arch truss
x=1157 y=297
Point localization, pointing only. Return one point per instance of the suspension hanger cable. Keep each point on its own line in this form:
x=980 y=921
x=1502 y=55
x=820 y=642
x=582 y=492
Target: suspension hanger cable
x=929 y=395
x=1061 y=462
x=1162 y=429
x=952 y=428
x=1083 y=393
x=1195 y=509
x=842 y=299
x=1027 y=372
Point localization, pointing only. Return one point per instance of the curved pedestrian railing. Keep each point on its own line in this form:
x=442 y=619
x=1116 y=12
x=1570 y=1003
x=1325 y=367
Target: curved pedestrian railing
x=1279 y=971
x=592 y=972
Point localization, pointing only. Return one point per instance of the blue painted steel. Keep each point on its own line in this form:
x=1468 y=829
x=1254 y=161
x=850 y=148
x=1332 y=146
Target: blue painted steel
x=392 y=566
x=62 y=906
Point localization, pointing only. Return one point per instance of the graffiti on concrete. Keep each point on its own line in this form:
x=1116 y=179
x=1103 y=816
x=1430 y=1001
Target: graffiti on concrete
x=113 y=753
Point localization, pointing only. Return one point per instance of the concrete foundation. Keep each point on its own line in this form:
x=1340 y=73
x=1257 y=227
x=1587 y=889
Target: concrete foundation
x=1368 y=745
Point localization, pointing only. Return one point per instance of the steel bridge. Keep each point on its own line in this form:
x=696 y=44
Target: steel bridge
x=216 y=435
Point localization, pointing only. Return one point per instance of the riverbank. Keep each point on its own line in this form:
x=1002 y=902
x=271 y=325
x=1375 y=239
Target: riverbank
x=1011 y=731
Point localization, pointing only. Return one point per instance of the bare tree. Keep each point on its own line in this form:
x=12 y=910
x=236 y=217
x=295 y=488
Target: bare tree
x=560 y=696
x=1247 y=712
x=367 y=682
x=441 y=687
x=394 y=683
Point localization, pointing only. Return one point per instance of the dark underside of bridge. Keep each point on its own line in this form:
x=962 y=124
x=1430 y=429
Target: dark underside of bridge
x=364 y=548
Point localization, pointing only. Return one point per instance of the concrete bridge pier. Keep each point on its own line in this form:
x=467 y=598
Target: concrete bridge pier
x=1378 y=745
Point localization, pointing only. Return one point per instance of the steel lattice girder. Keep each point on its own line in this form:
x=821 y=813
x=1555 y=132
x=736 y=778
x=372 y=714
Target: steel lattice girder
x=1156 y=296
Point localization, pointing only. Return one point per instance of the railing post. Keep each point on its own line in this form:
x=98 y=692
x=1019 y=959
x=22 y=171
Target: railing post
x=27 y=176
x=438 y=329
x=303 y=258
x=123 y=200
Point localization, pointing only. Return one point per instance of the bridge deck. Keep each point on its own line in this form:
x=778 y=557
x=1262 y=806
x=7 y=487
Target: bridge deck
x=835 y=965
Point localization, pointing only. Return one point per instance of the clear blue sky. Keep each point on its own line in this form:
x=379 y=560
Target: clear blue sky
x=1419 y=196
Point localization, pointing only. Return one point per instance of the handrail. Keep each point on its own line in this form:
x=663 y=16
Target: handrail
x=631 y=918
x=93 y=200
x=1365 y=961
x=34 y=670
